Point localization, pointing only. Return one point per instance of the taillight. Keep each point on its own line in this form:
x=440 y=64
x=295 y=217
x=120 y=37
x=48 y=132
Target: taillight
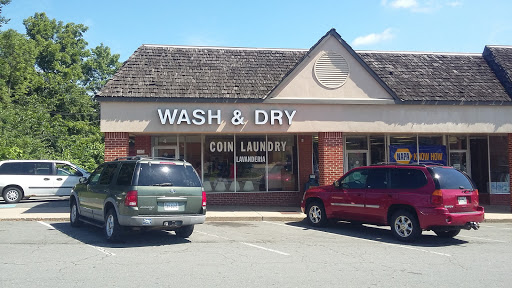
x=131 y=199
x=437 y=197
x=204 y=199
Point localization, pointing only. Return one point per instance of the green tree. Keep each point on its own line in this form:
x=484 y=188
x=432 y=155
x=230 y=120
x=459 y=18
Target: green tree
x=3 y=20
x=47 y=78
x=99 y=68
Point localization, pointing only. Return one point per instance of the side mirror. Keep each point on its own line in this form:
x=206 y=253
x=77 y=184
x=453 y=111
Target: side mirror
x=336 y=184
x=82 y=180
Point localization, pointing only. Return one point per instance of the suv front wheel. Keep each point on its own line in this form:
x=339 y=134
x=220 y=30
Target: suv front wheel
x=405 y=226
x=316 y=214
x=12 y=195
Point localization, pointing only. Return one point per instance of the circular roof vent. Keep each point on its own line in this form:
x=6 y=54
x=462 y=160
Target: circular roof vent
x=331 y=70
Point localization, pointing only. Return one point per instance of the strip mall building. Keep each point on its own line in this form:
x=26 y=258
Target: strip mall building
x=258 y=122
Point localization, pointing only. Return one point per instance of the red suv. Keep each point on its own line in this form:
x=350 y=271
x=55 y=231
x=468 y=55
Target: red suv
x=409 y=198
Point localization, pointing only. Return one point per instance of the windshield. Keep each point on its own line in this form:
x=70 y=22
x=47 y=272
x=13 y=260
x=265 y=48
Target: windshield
x=158 y=174
x=449 y=178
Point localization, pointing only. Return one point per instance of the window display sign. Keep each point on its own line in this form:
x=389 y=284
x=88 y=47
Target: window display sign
x=407 y=154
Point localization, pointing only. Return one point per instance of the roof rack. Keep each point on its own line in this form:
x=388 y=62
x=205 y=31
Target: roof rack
x=147 y=158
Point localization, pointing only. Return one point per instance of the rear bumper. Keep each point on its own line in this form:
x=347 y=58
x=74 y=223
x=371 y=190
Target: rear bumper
x=161 y=221
x=441 y=217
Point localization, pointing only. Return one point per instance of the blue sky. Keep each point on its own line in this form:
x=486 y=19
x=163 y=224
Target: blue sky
x=389 y=25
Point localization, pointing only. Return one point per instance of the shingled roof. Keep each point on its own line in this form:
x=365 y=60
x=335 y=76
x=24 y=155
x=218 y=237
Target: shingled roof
x=499 y=59
x=166 y=73
x=199 y=72
x=437 y=77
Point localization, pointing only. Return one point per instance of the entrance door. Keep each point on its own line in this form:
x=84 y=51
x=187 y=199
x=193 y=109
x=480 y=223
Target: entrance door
x=479 y=163
x=459 y=161
x=165 y=151
x=356 y=159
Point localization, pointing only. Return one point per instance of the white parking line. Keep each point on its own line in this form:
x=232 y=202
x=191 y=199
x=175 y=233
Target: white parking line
x=46 y=224
x=248 y=244
x=95 y=247
x=372 y=241
x=267 y=249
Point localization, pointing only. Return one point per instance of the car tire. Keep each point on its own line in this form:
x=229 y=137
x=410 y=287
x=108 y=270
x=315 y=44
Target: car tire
x=12 y=195
x=447 y=233
x=405 y=226
x=74 y=215
x=316 y=215
x=185 y=231
x=112 y=227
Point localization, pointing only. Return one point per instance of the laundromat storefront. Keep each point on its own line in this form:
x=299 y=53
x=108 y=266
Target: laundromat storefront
x=236 y=163
x=256 y=123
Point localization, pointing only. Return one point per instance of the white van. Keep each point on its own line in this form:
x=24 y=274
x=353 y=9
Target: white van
x=27 y=178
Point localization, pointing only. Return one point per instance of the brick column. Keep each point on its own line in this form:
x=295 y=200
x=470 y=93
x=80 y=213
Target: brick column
x=510 y=167
x=143 y=145
x=330 y=156
x=305 y=159
x=116 y=145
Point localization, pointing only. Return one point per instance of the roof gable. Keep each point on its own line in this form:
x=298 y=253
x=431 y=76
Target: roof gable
x=304 y=82
x=499 y=59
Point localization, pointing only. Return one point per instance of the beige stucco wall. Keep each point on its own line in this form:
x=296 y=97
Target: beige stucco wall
x=302 y=83
x=142 y=117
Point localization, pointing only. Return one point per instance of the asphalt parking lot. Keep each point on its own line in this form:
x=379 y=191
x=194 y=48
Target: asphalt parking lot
x=252 y=254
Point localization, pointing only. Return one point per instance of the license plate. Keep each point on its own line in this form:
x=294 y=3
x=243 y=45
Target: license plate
x=462 y=200
x=171 y=206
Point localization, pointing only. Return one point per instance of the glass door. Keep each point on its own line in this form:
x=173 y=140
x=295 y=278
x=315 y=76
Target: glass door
x=165 y=151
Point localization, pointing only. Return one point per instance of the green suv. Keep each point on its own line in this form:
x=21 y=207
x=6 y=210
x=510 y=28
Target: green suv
x=140 y=193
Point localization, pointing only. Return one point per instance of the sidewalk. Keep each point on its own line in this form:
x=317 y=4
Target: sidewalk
x=493 y=214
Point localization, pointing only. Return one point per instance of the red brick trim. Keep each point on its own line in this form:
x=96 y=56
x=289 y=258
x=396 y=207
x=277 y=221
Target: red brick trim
x=290 y=199
x=143 y=145
x=330 y=156
x=116 y=145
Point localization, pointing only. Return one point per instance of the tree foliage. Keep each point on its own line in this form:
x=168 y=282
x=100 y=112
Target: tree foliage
x=47 y=78
x=3 y=20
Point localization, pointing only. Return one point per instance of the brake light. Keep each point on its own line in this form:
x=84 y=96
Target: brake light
x=204 y=199
x=437 y=197
x=131 y=198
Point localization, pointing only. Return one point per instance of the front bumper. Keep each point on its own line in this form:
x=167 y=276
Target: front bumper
x=440 y=217
x=161 y=221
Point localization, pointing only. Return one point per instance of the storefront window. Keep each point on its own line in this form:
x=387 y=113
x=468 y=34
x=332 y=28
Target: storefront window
x=377 y=149
x=250 y=163
x=282 y=165
x=500 y=178
x=218 y=168
x=190 y=150
x=430 y=140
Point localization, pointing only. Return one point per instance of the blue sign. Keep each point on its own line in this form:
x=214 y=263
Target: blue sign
x=407 y=154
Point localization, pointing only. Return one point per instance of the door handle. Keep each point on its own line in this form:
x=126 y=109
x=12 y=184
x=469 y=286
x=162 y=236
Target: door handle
x=59 y=179
x=46 y=179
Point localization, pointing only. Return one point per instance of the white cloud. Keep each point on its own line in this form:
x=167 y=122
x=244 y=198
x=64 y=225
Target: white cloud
x=373 y=38
x=407 y=4
x=421 y=6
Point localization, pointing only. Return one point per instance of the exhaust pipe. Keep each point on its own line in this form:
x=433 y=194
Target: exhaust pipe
x=472 y=225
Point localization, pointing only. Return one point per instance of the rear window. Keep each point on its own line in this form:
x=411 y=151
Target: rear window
x=402 y=178
x=449 y=178
x=155 y=174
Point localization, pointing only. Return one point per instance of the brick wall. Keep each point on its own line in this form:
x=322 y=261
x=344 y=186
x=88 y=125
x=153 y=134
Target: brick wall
x=143 y=143
x=290 y=199
x=116 y=145
x=305 y=160
x=330 y=156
